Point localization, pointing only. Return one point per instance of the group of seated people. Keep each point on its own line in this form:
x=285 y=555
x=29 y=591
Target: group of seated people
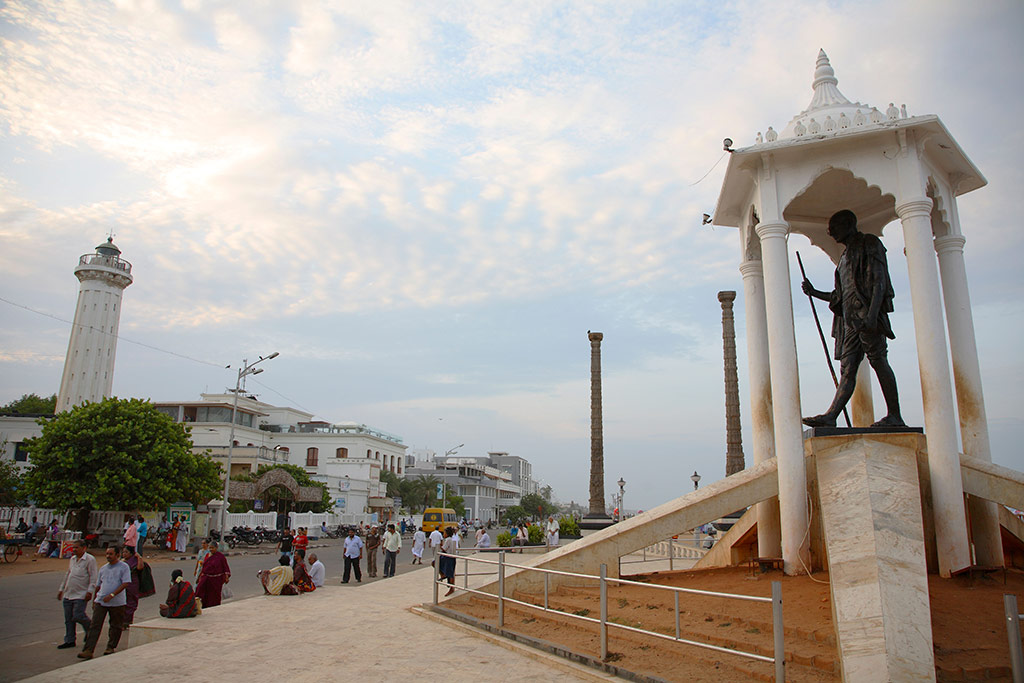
x=293 y=577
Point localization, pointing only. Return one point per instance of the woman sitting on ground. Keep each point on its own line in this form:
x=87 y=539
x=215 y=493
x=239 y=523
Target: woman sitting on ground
x=181 y=599
x=278 y=581
x=301 y=578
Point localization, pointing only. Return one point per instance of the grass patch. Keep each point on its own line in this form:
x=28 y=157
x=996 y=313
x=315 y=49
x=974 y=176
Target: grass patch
x=623 y=602
x=582 y=612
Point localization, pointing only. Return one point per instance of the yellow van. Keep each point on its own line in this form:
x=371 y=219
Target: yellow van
x=439 y=518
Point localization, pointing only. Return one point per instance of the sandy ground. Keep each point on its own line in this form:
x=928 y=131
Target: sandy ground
x=968 y=631
x=30 y=564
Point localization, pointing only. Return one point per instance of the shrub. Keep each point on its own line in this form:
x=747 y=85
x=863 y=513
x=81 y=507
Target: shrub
x=504 y=540
x=568 y=526
x=535 y=535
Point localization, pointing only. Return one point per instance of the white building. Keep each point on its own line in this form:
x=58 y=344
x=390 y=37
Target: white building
x=488 y=485
x=347 y=457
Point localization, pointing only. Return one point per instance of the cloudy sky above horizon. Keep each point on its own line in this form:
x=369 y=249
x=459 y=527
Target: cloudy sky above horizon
x=425 y=206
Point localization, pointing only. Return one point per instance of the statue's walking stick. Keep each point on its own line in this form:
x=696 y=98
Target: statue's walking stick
x=821 y=335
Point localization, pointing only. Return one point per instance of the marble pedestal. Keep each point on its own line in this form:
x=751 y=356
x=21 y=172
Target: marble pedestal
x=874 y=538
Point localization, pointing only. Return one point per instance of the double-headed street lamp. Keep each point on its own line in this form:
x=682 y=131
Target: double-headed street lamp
x=444 y=484
x=246 y=369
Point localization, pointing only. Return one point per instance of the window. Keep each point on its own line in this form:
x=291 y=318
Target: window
x=20 y=452
x=341 y=453
x=369 y=453
x=312 y=456
x=432 y=517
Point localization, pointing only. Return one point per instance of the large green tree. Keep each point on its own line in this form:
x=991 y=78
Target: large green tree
x=117 y=454
x=30 y=404
x=12 y=490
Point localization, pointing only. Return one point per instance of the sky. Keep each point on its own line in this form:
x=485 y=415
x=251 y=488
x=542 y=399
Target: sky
x=424 y=207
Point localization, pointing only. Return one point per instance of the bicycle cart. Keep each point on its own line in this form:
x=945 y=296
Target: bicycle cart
x=11 y=549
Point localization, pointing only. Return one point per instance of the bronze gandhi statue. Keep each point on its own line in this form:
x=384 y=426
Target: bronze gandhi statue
x=861 y=303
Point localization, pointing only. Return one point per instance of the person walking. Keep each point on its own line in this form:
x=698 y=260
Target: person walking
x=301 y=540
x=143 y=530
x=212 y=577
x=447 y=561
x=419 y=542
x=181 y=542
x=392 y=544
x=285 y=544
x=200 y=557
x=353 y=553
x=131 y=536
x=110 y=599
x=76 y=592
x=435 y=543
x=372 y=548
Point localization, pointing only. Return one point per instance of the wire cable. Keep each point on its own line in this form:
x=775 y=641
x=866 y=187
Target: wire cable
x=116 y=336
x=724 y=154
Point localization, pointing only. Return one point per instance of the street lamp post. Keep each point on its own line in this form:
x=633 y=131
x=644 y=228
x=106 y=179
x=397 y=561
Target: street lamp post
x=246 y=369
x=444 y=484
x=622 y=487
x=695 y=478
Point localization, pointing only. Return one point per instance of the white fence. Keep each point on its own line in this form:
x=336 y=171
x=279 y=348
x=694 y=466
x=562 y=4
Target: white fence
x=313 y=520
x=99 y=520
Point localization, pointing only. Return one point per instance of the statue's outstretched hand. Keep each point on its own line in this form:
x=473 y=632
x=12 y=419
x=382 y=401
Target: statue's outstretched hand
x=807 y=287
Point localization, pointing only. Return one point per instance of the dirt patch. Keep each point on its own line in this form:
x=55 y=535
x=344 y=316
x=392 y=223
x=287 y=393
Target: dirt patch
x=968 y=630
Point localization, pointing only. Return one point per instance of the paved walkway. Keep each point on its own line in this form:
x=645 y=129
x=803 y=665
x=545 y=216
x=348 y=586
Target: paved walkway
x=351 y=632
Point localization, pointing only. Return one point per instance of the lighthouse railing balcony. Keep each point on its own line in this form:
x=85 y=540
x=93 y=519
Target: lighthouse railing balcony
x=115 y=262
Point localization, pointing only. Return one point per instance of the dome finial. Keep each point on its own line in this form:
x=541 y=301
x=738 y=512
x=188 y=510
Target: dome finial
x=826 y=94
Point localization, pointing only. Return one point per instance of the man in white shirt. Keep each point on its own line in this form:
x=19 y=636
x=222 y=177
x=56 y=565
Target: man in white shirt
x=76 y=592
x=317 y=571
x=392 y=544
x=353 y=553
x=419 y=541
x=435 y=542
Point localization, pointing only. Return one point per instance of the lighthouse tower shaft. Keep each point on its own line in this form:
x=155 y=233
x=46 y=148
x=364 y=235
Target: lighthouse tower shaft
x=89 y=365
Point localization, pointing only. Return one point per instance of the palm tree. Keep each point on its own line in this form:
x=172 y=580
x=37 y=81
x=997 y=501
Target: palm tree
x=427 y=488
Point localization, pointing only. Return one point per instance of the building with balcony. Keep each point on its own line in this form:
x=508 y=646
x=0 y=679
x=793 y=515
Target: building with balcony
x=348 y=457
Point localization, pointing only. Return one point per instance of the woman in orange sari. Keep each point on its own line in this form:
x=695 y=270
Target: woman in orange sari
x=172 y=535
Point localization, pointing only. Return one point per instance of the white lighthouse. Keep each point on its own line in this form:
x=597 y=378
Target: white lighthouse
x=89 y=365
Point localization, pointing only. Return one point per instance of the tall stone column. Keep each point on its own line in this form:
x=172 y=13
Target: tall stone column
x=983 y=514
x=936 y=387
x=733 y=433
x=597 y=508
x=762 y=430
x=789 y=441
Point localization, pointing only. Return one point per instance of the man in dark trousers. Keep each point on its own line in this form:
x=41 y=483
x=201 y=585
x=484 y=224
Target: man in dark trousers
x=353 y=553
x=861 y=303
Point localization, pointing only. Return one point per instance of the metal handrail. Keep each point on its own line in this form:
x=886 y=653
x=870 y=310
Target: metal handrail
x=779 y=659
x=1013 y=619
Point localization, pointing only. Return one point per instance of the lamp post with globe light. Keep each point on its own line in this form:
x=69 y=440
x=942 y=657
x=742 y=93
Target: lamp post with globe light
x=622 y=487
x=246 y=369
x=695 y=478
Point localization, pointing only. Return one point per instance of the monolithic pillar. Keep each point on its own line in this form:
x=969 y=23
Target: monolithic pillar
x=597 y=508
x=983 y=514
x=936 y=388
x=733 y=432
x=789 y=446
x=762 y=436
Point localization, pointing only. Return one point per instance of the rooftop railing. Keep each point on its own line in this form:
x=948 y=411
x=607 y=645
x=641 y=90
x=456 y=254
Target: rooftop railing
x=115 y=262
